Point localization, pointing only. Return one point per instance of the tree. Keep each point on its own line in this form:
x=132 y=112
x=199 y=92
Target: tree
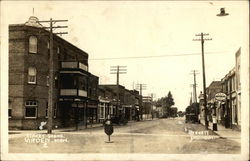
x=169 y=102
x=165 y=102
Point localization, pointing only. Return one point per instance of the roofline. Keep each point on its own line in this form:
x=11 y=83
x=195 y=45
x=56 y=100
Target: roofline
x=110 y=85
x=56 y=36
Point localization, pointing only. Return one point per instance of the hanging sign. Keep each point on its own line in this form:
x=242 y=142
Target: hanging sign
x=220 y=96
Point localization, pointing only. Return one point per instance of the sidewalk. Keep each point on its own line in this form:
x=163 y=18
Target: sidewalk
x=225 y=132
x=70 y=129
x=67 y=129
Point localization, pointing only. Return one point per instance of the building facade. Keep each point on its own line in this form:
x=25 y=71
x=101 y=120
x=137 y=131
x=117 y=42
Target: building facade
x=213 y=110
x=228 y=111
x=107 y=102
x=232 y=88
x=238 y=85
x=228 y=87
x=117 y=100
x=147 y=107
x=73 y=88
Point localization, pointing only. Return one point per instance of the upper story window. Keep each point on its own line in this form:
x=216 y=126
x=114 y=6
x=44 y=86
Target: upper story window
x=47 y=80
x=10 y=109
x=58 y=50
x=47 y=44
x=233 y=83
x=32 y=75
x=32 y=44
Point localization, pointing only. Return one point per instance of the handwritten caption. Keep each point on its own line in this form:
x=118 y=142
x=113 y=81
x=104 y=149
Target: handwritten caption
x=44 y=139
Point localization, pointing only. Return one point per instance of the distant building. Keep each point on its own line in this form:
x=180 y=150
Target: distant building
x=75 y=89
x=107 y=102
x=238 y=86
x=228 y=111
x=201 y=106
x=159 y=110
x=228 y=84
x=232 y=88
x=111 y=103
x=214 y=88
x=147 y=104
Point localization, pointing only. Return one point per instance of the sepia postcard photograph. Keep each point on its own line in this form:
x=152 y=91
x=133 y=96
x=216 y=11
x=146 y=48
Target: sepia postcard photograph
x=124 y=80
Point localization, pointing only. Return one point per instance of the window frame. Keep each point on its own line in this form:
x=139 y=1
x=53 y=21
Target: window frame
x=35 y=76
x=47 y=81
x=58 y=50
x=48 y=45
x=10 y=109
x=30 y=106
x=33 y=46
x=10 y=113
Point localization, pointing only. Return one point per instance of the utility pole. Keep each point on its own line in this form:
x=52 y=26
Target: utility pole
x=141 y=87
x=51 y=69
x=118 y=70
x=191 y=101
x=151 y=110
x=194 y=72
x=202 y=39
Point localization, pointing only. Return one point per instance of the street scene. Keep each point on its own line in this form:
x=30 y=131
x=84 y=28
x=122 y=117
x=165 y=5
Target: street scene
x=126 y=77
x=161 y=135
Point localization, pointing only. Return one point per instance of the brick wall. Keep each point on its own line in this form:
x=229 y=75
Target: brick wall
x=20 y=60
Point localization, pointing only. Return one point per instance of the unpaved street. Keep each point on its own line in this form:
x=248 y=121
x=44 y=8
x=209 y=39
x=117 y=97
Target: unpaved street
x=152 y=136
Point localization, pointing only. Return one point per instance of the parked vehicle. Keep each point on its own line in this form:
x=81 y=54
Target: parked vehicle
x=192 y=113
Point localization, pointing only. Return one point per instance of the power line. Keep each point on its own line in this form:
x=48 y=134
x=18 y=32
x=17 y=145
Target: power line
x=194 y=72
x=202 y=40
x=141 y=87
x=156 y=56
x=51 y=69
x=118 y=69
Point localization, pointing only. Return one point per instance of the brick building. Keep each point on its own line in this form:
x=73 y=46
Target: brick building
x=228 y=111
x=107 y=102
x=75 y=89
x=214 y=88
x=228 y=87
x=147 y=105
x=128 y=104
x=238 y=86
x=136 y=112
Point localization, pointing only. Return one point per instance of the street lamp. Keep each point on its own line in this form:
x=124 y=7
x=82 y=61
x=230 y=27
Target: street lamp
x=222 y=13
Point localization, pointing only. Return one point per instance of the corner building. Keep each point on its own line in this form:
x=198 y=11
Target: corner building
x=74 y=87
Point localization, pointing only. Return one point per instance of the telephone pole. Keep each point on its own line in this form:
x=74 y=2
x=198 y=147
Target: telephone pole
x=151 y=109
x=194 y=72
x=202 y=40
x=51 y=68
x=118 y=70
x=141 y=87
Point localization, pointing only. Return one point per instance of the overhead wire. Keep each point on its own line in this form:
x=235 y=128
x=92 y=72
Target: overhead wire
x=154 y=56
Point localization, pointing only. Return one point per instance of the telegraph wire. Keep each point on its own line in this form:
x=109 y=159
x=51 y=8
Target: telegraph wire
x=156 y=56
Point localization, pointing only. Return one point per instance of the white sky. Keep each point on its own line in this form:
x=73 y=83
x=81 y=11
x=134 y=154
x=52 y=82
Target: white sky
x=109 y=29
